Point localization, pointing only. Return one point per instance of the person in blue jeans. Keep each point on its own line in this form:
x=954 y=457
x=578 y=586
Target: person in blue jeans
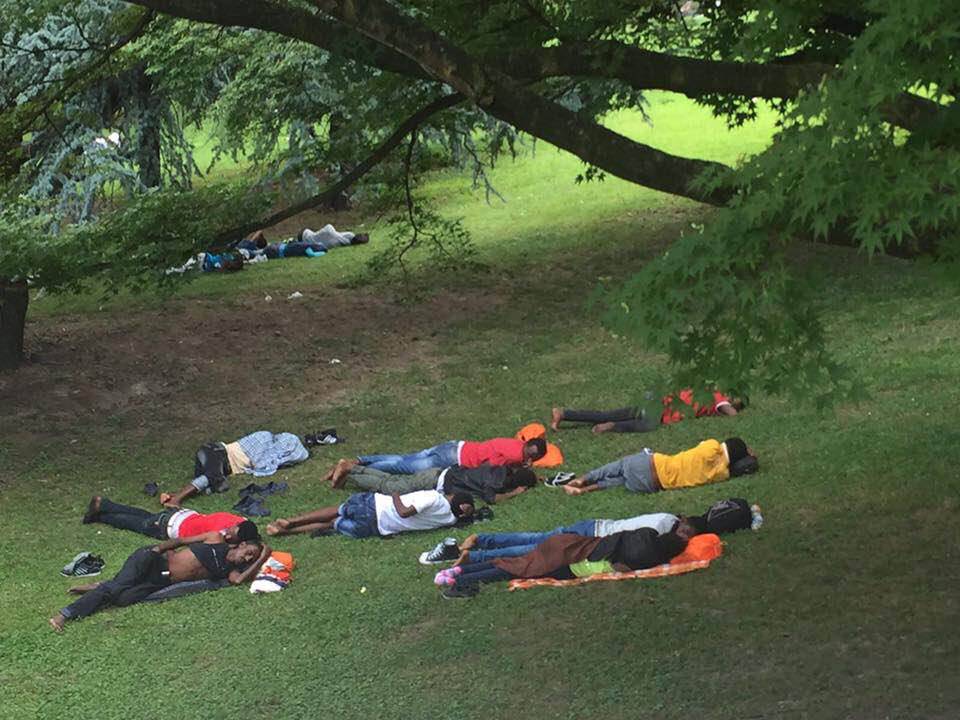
x=369 y=514
x=438 y=456
x=487 y=546
x=468 y=453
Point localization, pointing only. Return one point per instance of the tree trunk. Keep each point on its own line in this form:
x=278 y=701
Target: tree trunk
x=14 y=297
x=148 y=132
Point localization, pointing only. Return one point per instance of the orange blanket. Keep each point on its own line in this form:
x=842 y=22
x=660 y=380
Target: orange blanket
x=700 y=552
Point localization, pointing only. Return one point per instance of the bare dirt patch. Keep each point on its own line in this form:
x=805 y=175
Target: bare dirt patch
x=199 y=362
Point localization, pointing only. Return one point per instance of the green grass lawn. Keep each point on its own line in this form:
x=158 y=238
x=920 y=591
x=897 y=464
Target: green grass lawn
x=843 y=605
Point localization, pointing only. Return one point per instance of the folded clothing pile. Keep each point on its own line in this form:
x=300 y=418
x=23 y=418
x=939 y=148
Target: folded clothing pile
x=275 y=574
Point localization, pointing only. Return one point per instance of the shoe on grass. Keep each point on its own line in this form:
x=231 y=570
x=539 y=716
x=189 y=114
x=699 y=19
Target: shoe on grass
x=85 y=564
x=560 y=479
x=446 y=551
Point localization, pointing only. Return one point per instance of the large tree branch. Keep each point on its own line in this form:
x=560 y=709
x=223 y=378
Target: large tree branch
x=524 y=109
x=641 y=69
x=292 y=22
x=405 y=128
x=646 y=70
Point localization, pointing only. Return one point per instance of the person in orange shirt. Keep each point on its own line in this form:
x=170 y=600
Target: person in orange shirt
x=646 y=472
x=637 y=419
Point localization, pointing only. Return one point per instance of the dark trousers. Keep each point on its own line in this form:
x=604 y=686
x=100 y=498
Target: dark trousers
x=211 y=461
x=141 y=575
x=487 y=572
x=137 y=519
x=628 y=419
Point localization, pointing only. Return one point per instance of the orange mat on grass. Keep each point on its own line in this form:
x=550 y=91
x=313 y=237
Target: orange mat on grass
x=700 y=552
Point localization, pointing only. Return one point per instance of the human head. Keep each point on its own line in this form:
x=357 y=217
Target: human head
x=244 y=553
x=360 y=239
x=518 y=475
x=742 y=459
x=259 y=239
x=686 y=527
x=740 y=402
x=534 y=449
x=671 y=544
x=462 y=505
x=242 y=532
x=736 y=449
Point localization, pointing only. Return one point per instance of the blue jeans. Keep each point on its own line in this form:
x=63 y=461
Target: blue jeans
x=439 y=456
x=358 y=517
x=497 y=545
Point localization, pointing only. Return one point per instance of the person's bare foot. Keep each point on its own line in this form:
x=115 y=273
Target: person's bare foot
x=57 y=622
x=573 y=490
x=278 y=526
x=470 y=541
x=556 y=416
x=340 y=472
x=328 y=477
x=81 y=589
x=463 y=559
x=93 y=510
x=603 y=427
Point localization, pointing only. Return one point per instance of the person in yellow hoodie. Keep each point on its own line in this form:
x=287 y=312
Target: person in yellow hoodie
x=646 y=472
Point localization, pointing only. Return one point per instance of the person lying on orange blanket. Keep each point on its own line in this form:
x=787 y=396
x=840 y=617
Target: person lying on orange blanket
x=568 y=556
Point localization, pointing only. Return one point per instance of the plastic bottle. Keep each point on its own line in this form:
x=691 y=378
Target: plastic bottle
x=757 y=522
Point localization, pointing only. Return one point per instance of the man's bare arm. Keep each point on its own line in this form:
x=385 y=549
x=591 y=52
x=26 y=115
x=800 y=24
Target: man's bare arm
x=403 y=511
x=238 y=578
x=173 y=543
x=500 y=497
x=176 y=499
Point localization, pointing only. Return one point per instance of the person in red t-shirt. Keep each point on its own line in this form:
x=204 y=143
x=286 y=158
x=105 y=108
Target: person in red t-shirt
x=172 y=523
x=499 y=451
x=636 y=419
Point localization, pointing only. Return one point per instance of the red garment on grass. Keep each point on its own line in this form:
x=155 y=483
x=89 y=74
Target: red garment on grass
x=214 y=522
x=671 y=414
x=499 y=451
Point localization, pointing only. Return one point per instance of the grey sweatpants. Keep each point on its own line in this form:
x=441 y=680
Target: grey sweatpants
x=369 y=479
x=632 y=471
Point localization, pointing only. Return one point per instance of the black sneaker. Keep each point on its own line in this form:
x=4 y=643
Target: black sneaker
x=85 y=564
x=323 y=437
x=460 y=592
x=560 y=479
x=445 y=551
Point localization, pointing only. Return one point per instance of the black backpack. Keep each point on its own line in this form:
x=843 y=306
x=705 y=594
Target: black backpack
x=728 y=516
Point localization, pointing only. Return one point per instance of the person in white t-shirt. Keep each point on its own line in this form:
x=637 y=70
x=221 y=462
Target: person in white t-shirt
x=378 y=515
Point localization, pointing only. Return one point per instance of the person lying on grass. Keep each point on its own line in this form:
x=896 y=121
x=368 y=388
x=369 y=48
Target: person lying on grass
x=636 y=419
x=499 y=451
x=153 y=568
x=368 y=514
x=309 y=243
x=259 y=454
x=492 y=483
x=567 y=556
x=172 y=522
x=646 y=472
x=722 y=517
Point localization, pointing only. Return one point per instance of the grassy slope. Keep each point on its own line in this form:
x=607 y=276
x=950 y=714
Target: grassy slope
x=843 y=606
